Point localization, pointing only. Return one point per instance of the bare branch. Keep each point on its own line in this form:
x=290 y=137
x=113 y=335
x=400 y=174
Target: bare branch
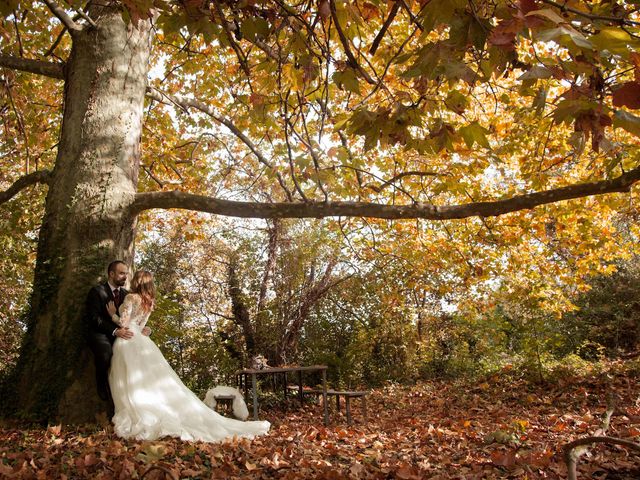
x=392 y=180
x=41 y=176
x=590 y=16
x=271 y=53
x=413 y=18
x=385 y=27
x=20 y=122
x=57 y=41
x=581 y=442
x=292 y=170
x=274 y=232
x=185 y=104
x=574 y=450
x=345 y=44
x=48 y=69
x=242 y=58
x=86 y=17
x=66 y=20
x=176 y=199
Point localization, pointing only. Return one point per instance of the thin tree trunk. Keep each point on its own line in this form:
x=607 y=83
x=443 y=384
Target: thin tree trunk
x=239 y=307
x=85 y=224
x=288 y=345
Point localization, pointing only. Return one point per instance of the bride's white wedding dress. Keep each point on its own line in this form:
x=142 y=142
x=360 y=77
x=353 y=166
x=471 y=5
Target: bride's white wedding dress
x=151 y=401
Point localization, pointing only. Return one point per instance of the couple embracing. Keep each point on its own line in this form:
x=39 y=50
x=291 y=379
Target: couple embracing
x=150 y=401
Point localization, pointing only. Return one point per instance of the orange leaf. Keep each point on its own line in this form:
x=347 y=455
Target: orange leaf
x=408 y=472
x=628 y=95
x=507 y=459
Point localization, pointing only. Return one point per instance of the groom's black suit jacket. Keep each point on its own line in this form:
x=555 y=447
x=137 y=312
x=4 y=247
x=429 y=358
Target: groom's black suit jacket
x=96 y=315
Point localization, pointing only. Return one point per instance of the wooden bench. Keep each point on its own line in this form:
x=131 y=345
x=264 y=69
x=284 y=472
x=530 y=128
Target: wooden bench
x=348 y=395
x=224 y=400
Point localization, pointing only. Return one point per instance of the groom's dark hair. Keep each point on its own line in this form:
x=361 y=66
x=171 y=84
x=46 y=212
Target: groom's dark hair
x=112 y=266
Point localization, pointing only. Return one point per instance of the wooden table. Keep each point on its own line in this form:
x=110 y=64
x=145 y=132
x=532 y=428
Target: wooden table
x=243 y=374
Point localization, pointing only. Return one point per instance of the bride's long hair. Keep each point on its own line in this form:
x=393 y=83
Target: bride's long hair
x=142 y=284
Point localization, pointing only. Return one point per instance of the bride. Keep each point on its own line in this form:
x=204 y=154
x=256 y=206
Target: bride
x=150 y=400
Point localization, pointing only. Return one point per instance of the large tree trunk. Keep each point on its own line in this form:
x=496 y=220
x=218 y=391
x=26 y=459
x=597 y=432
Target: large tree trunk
x=86 y=224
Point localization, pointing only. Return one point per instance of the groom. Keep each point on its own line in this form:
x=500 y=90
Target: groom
x=102 y=329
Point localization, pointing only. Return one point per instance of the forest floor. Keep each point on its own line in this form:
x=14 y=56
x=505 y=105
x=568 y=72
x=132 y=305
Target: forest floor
x=498 y=427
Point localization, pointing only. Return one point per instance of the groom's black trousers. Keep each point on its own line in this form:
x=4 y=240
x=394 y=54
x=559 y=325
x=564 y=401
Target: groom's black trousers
x=102 y=351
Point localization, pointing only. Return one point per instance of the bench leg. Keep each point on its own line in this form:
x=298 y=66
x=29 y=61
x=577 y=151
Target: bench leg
x=347 y=400
x=254 y=387
x=364 y=408
x=338 y=403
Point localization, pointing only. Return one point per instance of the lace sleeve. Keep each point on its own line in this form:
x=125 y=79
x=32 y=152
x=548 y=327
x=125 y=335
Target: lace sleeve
x=144 y=316
x=124 y=319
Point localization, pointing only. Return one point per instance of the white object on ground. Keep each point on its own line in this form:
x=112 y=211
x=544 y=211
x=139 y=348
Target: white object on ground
x=239 y=408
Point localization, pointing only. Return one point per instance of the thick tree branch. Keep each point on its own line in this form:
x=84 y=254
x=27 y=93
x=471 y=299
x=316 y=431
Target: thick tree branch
x=66 y=20
x=41 y=176
x=48 y=69
x=176 y=199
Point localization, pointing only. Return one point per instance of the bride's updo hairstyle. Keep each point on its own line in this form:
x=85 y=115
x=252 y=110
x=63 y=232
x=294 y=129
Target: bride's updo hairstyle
x=142 y=284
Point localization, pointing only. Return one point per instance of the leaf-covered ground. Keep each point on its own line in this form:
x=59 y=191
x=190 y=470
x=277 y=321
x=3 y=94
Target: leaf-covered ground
x=495 y=428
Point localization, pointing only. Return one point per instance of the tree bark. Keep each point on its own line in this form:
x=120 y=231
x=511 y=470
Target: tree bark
x=239 y=307
x=87 y=222
x=288 y=346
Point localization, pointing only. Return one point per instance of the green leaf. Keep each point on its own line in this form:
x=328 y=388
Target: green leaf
x=347 y=80
x=566 y=110
x=549 y=15
x=565 y=36
x=254 y=28
x=438 y=12
x=627 y=121
x=428 y=59
x=8 y=7
x=475 y=133
x=456 y=101
x=539 y=101
x=455 y=70
x=171 y=23
x=536 y=72
x=614 y=40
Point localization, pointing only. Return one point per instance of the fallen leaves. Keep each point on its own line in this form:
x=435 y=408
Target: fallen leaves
x=496 y=428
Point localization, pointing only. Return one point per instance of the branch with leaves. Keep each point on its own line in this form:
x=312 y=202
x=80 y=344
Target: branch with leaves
x=353 y=62
x=41 y=176
x=185 y=104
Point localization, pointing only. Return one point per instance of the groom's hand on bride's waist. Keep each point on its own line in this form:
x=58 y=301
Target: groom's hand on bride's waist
x=123 y=332
x=146 y=331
